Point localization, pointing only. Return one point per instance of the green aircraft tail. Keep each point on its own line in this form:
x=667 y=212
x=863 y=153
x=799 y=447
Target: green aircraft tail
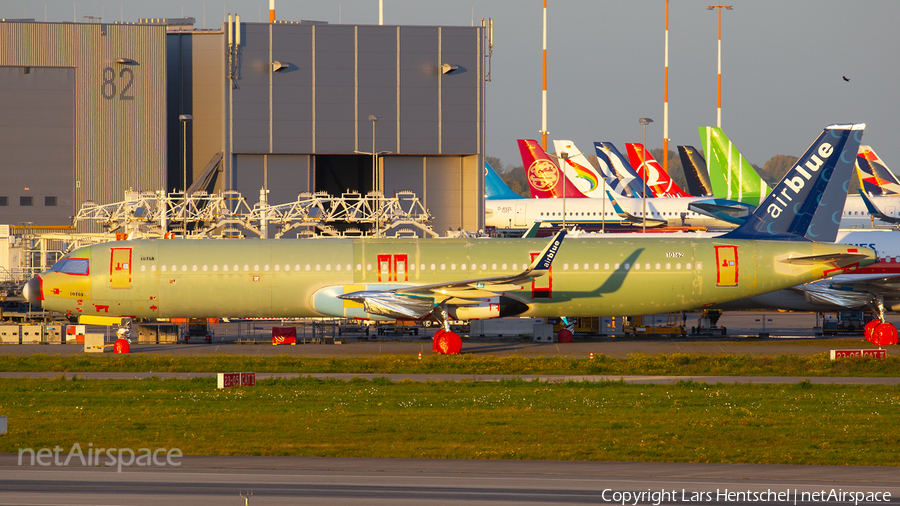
x=731 y=175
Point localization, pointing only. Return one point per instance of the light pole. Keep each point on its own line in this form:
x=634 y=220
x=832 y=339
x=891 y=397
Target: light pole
x=719 y=108
x=374 y=119
x=644 y=122
x=184 y=118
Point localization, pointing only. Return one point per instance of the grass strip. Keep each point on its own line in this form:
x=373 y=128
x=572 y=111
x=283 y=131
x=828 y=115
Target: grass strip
x=686 y=422
x=673 y=364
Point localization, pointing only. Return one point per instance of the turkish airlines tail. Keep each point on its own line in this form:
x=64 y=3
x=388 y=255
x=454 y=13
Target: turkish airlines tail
x=658 y=181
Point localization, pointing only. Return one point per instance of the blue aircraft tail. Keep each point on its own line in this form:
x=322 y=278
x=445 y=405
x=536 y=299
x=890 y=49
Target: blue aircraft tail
x=808 y=202
x=612 y=162
x=495 y=188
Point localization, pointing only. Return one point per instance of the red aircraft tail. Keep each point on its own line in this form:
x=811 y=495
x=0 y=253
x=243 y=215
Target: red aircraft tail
x=545 y=179
x=648 y=168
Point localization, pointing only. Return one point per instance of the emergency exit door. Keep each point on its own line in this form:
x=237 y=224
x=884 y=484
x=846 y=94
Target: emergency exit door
x=520 y=215
x=120 y=268
x=393 y=268
x=726 y=266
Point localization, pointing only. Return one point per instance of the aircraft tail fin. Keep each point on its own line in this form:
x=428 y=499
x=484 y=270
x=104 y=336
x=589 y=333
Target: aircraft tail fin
x=579 y=170
x=649 y=169
x=874 y=176
x=731 y=175
x=808 y=202
x=618 y=168
x=494 y=186
x=695 y=171
x=545 y=180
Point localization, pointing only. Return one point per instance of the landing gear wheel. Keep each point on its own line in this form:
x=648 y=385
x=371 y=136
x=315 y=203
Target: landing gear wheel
x=448 y=343
x=869 y=330
x=434 y=342
x=885 y=333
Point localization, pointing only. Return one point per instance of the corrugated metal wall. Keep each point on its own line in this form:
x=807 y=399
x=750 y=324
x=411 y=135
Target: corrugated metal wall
x=338 y=75
x=120 y=109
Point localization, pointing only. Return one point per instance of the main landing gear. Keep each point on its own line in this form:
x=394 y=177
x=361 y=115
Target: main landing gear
x=445 y=342
x=879 y=332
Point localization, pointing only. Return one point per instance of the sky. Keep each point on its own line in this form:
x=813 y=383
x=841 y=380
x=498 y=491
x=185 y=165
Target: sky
x=783 y=63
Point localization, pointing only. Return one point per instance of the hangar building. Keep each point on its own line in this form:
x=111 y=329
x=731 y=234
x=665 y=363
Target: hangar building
x=91 y=110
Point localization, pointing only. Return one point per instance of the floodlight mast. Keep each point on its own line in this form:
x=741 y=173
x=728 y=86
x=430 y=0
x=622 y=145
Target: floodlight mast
x=719 y=106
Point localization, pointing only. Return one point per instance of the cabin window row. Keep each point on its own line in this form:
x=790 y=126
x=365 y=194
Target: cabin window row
x=609 y=214
x=433 y=267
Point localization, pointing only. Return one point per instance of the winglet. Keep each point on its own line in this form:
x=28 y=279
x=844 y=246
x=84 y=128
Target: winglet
x=874 y=210
x=808 y=202
x=543 y=261
x=531 y=232
x=616 y=207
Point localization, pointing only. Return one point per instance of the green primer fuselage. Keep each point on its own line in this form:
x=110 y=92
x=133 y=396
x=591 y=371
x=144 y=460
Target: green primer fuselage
x=280 y=278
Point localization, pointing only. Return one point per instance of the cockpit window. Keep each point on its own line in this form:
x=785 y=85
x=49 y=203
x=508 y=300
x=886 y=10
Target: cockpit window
x=79 y=266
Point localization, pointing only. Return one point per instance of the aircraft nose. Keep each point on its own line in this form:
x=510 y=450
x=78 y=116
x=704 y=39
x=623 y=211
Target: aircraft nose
x=32 y=291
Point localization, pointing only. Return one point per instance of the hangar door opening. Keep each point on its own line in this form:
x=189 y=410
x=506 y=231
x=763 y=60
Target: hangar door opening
x=337 y=174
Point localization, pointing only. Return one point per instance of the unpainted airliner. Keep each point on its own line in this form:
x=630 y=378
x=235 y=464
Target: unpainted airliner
x=469 y=278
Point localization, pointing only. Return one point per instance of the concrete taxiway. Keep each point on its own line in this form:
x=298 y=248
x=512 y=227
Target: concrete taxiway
x=338 y=481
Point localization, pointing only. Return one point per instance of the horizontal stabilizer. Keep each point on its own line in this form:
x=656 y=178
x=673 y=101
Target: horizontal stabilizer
x=726 y=210
x=839 y=259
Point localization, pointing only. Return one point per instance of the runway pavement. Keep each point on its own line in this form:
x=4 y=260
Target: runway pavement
x=338 y=481
x=550 y=378
x=201 y=480
x=617 y=347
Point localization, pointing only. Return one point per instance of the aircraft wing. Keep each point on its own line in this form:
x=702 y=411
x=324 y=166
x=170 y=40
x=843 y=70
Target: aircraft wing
x=414 y=302
x=851 y=291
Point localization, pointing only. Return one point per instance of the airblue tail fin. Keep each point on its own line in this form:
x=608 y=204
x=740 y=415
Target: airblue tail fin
x=808 y=202
x=494 y=186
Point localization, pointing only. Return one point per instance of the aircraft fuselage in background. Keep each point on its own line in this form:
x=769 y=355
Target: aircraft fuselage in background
x=520 y=213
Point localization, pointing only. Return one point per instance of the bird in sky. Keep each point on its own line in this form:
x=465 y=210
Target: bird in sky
x=846 y=79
